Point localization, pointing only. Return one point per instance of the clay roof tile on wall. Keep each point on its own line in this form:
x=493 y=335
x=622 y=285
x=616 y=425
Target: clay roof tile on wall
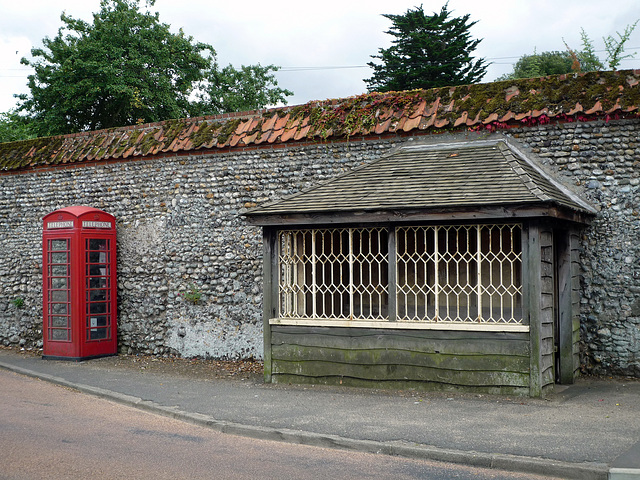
x=288 y=134
x=268 y=125
x=570 y=97
x=281 y=122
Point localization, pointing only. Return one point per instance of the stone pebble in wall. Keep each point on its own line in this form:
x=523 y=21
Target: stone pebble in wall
x=601 y=161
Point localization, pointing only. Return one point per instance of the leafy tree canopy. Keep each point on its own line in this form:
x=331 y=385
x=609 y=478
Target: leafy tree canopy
x=232 y=90
x=14 y=126
x=585 y=60
x=541 y=64
x=127 y=67
x=428 y=51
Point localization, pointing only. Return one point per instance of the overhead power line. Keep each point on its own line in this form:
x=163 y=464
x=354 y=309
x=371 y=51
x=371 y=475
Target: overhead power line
x=313 y=68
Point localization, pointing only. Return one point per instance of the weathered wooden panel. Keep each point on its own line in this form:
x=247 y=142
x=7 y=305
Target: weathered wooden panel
x=400 y=373
x=547 y=300
x=546 y=331
x=547 y=307
x=398 y=384
x=427 y=359
x=270 y=297
x=426 y=341
x=576 y=295
x=387 y=356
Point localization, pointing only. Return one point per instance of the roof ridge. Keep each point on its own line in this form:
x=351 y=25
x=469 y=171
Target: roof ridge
x=549 y=178
x=527 y=181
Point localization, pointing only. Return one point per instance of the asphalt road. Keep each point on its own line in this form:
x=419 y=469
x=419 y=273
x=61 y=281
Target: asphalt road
x=47 y=431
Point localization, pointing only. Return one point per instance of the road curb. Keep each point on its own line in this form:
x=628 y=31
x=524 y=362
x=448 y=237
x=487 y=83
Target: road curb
x=513 y=463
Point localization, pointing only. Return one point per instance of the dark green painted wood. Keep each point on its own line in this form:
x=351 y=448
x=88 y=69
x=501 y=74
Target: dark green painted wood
x=491 y=360
x=465 y=343
x=488 y=213
x=400 y=373
x=398 y=384
x=387 y=356
x=547 y=312
x=412 y=333
x=565 y=306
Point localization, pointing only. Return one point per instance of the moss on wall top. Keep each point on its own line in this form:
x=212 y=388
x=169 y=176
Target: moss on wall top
x=569 y=97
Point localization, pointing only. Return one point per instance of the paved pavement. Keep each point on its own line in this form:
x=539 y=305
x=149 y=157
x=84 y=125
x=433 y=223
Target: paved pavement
x=590 y=430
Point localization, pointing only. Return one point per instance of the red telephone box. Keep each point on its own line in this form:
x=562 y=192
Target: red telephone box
x=79 y=284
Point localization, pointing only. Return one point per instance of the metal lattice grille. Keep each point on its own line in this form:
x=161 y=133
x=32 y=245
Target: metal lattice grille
x=469 y=273
x=334 y=273
x=455 y=273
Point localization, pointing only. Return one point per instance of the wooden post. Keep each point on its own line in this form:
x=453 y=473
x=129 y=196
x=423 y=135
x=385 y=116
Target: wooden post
x=391 y=274
x=270 y=292
x=565 y=310
x=531 y=264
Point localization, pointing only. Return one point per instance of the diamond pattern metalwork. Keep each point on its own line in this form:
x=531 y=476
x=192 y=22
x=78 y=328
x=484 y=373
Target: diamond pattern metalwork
x=444 y=273
x=459 y=273
x=334 y=273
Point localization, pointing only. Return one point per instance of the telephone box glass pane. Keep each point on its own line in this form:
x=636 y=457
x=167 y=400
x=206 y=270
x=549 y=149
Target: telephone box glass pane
x=59 y=296
x=97 y=282
x=97 y=269
x=58 y=270
x=58 y=308
x=98 y=244
x=58 y=245
x=98 y=307
x=59 y=334
x=59 y=257
x=97 y=257
x=60 y=322
x=97 y=295
x=59 y=283
x=97 y=321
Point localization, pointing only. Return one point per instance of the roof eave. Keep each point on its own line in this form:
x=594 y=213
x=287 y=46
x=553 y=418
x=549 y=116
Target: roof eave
x=463 y=214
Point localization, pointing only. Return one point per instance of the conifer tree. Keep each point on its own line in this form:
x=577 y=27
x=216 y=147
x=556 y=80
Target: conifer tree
x=427 y=51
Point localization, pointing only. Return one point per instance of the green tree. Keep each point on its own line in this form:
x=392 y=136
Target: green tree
x=427 y=51
x=14 y=126
x=615 y=46
x=232 y=90
x=541 y=64
x=585 y=60
x=125 y=67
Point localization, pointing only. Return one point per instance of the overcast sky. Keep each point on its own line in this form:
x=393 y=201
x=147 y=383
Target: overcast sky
x=323 y=46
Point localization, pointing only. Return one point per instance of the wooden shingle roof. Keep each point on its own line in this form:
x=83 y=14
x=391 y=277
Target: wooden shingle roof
x=497 y=105
x=465 y=176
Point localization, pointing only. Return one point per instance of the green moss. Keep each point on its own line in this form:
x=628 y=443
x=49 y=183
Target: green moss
x=203 y=135
x=15 y=155
x=173 y=128
x=555 y=93
x=227 y=130
x=148 y=141
x=346 y=117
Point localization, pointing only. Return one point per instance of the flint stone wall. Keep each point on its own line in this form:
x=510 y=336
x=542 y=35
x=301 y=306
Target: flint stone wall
x=180 y=223
x=179 y=226
x=601 y=160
